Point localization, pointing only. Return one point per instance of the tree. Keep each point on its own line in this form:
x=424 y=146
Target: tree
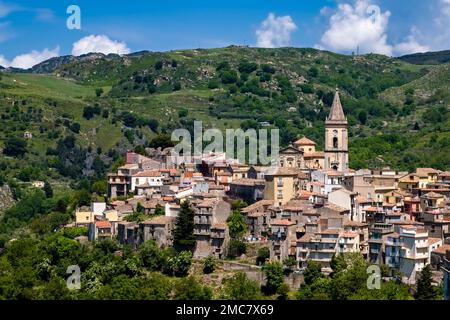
x=161 y=141
x=274 y=275
x=15 y=147
x=48 y=190
x=238 y=204
x=209 y=264
x=263 y=256
x=236 y=248
x=159 y=210
x=240 y=287
x=425 y=290
x=362 y=117
x=152 y=256
x=236 y=224
x=184 y=226
x=180 y=264
x=98 y=92
x=313 y=272
x=190 y=289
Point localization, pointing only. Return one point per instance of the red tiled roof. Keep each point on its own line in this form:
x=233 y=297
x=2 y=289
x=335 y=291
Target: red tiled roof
x=282 y=222
x=103 y=224
x=304 y=142
x=147 y=173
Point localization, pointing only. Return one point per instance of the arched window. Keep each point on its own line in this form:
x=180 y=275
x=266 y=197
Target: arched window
x=335 y=142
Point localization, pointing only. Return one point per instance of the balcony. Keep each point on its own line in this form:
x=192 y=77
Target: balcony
x=198 y=232
x=217 y=235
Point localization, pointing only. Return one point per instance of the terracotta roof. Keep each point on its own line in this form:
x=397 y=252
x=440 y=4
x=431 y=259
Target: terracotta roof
x=219 y=225
x=350 y=235
x=304 y=142
x=432 y=241
x=317 y=154
x=306 y=237
x=282 y=222
x=433 y=195
x=304 y=195
x=147 y=173
x=257 y=205
x=355 y=224
x=103 y=224
x=295 y=205
x=442 y=249
x=426 y=170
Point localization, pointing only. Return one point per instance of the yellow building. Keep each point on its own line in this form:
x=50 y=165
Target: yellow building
x=408 y=182
x=427 y=175
x=281 y=185
x=84 y=217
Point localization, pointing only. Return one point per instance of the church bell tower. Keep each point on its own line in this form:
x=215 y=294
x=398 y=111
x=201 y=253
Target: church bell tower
x=336 y=137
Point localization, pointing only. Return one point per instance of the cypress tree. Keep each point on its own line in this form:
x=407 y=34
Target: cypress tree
x=184 y=226
x=425 y=290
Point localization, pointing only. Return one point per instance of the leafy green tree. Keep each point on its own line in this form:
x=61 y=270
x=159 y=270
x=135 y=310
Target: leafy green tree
x=159 y=210
x=190 y=289
x=313 y=272
x=238 y=204
x=274 y=276
x=236 y=248
x=181 y=263
x=98 y=92
x=240 y=287
x=236 y=224
x=318 y=290
x=161 y=141
x=184 y=226
x=48 y=189
x=425 y=290
x=263 y=256
x=15 y=147
x=209 y=264
x=153 y=258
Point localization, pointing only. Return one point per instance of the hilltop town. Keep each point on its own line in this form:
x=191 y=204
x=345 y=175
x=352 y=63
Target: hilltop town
x=313 y=207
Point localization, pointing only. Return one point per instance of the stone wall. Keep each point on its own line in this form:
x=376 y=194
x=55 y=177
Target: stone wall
x=6 y=198
x=255 y=273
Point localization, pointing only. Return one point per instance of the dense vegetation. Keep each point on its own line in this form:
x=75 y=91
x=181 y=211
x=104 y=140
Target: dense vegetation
x=85 y=112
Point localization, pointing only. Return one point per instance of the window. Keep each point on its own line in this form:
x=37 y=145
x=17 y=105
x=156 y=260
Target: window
x=335 y=142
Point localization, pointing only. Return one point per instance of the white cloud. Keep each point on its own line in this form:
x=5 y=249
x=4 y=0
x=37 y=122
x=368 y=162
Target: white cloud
x=275 y=31
x=446 y=7
x=360 y=25
x=27 y=60
x=99 y=44
x=411 y=44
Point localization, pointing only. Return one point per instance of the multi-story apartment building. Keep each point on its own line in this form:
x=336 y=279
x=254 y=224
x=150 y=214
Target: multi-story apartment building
x=283 y=233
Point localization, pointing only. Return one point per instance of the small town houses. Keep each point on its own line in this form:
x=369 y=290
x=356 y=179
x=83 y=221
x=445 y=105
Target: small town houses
x=312 y=207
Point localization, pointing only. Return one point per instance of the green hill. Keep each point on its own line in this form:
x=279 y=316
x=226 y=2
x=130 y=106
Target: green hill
x=85 y=111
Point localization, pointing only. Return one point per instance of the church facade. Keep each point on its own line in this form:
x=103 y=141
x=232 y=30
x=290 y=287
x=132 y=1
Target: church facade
x=302 y=154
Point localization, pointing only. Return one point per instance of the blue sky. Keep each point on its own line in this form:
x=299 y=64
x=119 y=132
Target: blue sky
x=31 y=31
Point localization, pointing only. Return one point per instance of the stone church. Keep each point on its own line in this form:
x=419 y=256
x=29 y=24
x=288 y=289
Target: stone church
x=302 y=153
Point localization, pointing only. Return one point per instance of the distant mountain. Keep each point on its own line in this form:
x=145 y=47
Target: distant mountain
x=396 y=110
x=50 y=65
x=429 y=58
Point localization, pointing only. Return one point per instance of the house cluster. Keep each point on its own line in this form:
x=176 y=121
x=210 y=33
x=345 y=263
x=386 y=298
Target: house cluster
x=310 y=206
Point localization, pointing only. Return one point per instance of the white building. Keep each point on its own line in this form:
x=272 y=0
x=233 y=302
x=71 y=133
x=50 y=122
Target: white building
x=148 y=179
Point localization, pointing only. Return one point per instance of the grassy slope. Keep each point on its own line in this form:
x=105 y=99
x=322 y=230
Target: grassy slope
x=334 y=70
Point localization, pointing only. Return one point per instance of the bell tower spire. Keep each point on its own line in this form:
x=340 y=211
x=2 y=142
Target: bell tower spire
x=336 y=137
